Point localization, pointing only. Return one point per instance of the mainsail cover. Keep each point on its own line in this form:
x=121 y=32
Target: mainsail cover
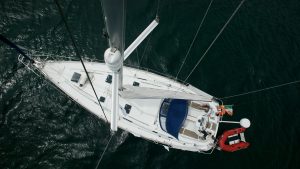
x=114 y=17
x=132 y=92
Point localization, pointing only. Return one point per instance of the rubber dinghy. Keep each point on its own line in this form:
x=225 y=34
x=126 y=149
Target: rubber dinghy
x=233 y=140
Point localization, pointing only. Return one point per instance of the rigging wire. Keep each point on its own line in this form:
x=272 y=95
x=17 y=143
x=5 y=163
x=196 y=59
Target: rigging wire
x=220 y=32
x=198 y=29
x=137 y=56
x=124 y=28
x=100 y=159
x=157 y=8
x=144 y=52
x=260 y=90
x=147 y=43
x=77 y=53
x=146 y=47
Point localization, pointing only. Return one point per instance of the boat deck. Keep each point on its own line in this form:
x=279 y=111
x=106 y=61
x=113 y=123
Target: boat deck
x=138 y=116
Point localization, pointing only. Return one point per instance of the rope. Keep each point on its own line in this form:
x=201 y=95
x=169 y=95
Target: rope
x=199 y=27
x=260 y=90
x=225 y=25
x=99 y=161
x=77 y=53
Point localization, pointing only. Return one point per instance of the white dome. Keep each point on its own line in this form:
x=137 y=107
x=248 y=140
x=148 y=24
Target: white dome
x=113 y=59
x=244 y=122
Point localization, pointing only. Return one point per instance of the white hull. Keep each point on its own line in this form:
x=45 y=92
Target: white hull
x=143 y=119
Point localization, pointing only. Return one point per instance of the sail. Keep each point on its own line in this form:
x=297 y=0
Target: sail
x=132 y=92
x=114 y=17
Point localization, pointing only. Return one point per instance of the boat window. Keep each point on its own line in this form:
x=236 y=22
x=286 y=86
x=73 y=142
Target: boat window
x=164 y=108
x=163 y=113
x=162 y=121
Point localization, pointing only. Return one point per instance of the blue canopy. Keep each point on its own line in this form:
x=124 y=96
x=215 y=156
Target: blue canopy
x=176 y=115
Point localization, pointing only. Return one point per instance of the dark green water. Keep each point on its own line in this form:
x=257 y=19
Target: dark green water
x=41 y=128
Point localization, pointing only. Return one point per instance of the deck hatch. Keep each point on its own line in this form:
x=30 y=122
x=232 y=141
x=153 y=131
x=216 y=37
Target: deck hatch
x=102 y=99
x=136 y=84
x=108 y=79
x=75 y=77
x=127 y=108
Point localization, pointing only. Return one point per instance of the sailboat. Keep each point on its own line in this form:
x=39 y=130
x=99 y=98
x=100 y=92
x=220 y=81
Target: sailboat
x=148 y=105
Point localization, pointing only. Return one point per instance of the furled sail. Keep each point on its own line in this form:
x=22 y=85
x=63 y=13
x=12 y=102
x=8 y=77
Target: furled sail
x=114 y=17
x=132 y=92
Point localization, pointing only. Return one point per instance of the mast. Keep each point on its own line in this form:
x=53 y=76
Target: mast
x=114 y=17
x=114 y=56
